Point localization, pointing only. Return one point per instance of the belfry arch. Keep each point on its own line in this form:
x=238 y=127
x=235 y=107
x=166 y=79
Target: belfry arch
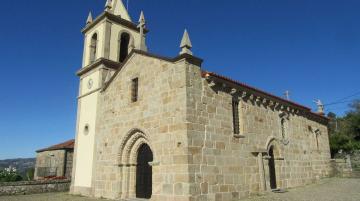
x=125 y=45
x=135 y=154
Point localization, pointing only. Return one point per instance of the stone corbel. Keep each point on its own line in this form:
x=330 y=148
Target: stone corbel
x=212 y=83
x=277 y=105
x=288 y=108
x=257 y=99
x=243 y=95
x=264 y=101
x=251 y=97
x=233 y=91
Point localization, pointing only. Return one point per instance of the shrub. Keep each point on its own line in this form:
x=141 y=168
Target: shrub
x=9 y=175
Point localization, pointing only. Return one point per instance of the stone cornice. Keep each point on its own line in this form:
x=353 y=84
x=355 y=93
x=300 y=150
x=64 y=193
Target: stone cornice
x=246 y=92
x=189 y=58
x=106 y=62
x=113 y=18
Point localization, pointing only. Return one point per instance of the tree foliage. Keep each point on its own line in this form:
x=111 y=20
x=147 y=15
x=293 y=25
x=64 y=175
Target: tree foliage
x=345 y=131
x=9 y=175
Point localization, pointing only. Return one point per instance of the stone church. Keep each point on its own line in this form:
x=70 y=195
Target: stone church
x=164 y=128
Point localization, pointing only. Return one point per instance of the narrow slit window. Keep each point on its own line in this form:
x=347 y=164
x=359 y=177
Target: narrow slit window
x=235 y=109
x=283 y=129
x=134 y=89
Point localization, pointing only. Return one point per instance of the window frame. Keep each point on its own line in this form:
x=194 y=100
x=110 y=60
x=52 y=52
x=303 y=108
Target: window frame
x=235 y=116
x=135 y=90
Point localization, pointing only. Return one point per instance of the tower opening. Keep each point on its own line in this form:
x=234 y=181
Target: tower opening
x=93 y=48
x=272 y=170
x=144 y=172
x=124 y=46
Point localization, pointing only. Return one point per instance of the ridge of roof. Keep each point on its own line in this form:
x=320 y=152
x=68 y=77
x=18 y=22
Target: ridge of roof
x=64 y=145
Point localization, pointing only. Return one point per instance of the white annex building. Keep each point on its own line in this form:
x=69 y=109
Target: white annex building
x=163 y=128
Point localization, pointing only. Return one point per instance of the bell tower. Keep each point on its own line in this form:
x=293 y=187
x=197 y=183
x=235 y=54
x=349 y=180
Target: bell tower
x=108 y=40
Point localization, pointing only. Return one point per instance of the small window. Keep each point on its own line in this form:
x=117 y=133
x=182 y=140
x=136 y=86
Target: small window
x=86 y=129
x=235 y=110
x=134 y=89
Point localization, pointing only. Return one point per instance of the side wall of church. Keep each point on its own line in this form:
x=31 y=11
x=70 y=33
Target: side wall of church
x=224 y=167
x=157 y=119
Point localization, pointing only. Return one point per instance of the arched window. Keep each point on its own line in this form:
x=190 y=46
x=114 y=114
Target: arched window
x=93 y=48
x=123 y=46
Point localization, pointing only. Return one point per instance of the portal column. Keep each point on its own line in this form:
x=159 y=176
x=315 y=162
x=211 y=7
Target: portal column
x=261 y=172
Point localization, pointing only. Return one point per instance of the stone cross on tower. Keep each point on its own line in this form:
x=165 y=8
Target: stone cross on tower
x=186 y=44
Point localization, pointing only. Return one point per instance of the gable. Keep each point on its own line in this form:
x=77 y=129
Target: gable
x=128 y=60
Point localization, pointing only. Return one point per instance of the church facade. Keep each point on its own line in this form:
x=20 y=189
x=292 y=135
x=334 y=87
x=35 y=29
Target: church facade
x=164 y=128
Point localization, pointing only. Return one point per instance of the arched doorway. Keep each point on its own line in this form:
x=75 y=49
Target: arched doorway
x=144 y=172
x=272 y=171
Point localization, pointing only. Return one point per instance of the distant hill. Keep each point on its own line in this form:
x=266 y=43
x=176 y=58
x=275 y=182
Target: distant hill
x=21 y=164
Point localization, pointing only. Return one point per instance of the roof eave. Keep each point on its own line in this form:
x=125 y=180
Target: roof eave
x=263 y=93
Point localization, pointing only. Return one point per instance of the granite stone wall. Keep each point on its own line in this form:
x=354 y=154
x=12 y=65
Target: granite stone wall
x=57 y=163
x=69 y=164
x=157 y=119
x=227 y=166
x=32 y=187
x=187 y=122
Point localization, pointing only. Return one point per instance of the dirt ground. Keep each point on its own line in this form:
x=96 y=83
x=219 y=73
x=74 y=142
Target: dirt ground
x=334 y=189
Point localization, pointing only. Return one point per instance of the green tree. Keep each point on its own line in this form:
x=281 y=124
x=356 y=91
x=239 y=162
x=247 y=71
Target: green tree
x=344 y=132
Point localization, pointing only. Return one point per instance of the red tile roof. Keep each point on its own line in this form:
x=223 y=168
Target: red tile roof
x=65 y=145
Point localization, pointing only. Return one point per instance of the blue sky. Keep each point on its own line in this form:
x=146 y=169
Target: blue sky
x=310 y=48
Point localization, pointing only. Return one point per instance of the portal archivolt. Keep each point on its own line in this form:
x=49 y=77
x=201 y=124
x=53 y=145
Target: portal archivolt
x=133 y=142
